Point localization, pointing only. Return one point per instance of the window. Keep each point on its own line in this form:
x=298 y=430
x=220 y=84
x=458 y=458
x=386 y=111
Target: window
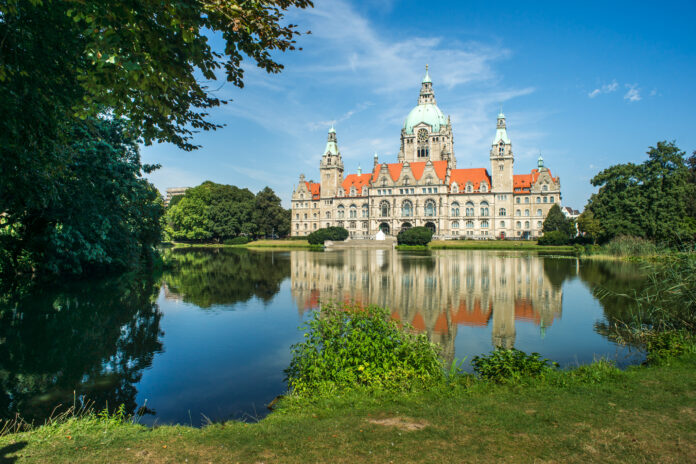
x=526 y=199
x=406 y=181
x=425 y=190
x=483 y=187
x=455 y=188
x=469 y=187
x=538 y=199
x=518 y=224
x=353 y=211
x=484 y=223
x=430 y=209
x=526 y=212
x=328 y=215
x=526 y=224
x=484 y=208
x=539 y=213
x=518 y=213
x=407 y=209
x=314 y=226
x=434 y=189
x=502 y=212
x=501 y=149
x=341 y=211
x=500 y=167
x=455 y=209
x=469 y=224
x=544 y=188
x=364 y=224
x=297 y=216
x=551 y=199
x=502 y=223
x=305 y=216
x=539 y=224
x=455 y=224
x=365 y=211
x=518 y=200
x=546 y=200
x=384 y=208
x=430 y=190
x=353 y=192
x=469 y=208
x=351 y=225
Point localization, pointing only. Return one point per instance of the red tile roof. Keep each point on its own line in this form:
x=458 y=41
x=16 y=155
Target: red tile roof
x=357 y=181
x=315 y=189
x=525 y=181
x=476 y=318
x=417 y=168
x=475 y=176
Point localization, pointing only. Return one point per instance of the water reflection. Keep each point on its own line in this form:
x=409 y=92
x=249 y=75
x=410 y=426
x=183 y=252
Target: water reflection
x=61 y=345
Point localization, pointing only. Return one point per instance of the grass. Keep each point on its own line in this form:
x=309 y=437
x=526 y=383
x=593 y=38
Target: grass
x=284 y=244
x=592 y=414
x=530 y=245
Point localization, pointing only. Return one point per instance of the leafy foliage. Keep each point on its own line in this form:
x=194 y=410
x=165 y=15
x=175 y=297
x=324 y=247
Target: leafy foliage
x=241 y=240
x=348 y=347
x=649 y=200
x=555 y=237
x=215 y=212
x=101 y=212
x=511 y=365
x=558 y=230
x=415 y=236
x=589 y=226
x=319 y=236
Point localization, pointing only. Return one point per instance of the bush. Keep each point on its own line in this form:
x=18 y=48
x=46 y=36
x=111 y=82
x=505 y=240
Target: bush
x=511 y=365
x=415 y=236
x=240 y=240
x=669 y=344
x=336 y=234
x=555 y=237
x=348 y=347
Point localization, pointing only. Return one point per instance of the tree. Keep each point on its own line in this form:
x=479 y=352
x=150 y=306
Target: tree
x=589 y=226
x=691 y=194
x=270 y=218
x=649 y=200
x=414 y=236
x=556 y=220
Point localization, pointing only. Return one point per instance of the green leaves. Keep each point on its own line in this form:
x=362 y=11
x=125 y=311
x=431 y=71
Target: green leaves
x=511 y=365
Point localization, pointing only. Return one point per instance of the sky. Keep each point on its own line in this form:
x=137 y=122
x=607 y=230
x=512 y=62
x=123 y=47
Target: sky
x=585 y=84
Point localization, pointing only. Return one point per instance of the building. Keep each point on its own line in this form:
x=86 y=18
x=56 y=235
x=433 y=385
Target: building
x=425 y=188
x=570 y=213
x=174 y=192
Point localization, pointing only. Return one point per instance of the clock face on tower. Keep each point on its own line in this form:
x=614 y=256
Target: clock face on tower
x=422 y=135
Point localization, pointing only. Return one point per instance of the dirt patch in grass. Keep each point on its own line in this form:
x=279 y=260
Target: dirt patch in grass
x=401 y=423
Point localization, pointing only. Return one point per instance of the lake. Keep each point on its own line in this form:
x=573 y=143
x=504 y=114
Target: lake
x=208 y=340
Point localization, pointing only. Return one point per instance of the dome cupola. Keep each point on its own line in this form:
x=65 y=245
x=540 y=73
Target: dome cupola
x=427 y=111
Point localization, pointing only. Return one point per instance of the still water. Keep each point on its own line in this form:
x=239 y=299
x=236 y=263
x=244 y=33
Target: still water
x=210 y=338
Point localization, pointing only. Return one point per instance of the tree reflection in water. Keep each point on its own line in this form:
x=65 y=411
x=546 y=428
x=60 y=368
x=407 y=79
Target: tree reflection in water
x=81 y=341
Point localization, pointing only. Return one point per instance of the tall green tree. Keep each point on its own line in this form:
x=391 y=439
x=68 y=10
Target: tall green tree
x=270 y=218
x=649 y=200
x=589 y=226
x=556 y=221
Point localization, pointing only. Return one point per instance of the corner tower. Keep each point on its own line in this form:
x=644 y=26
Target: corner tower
x=502 y=159
x=331 y=166
x=427 y=133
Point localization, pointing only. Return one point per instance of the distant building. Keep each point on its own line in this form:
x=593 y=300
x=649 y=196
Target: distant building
x=174 y=192
x=570 y=213
x=425 y=188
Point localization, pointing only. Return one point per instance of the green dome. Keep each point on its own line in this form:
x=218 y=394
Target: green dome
x=427 y=113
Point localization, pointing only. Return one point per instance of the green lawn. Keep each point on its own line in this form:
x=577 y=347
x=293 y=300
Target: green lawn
x=496 y=245
x=645 y=414
x=252 y=244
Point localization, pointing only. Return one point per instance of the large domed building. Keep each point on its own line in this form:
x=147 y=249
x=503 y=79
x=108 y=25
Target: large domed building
x=425 y=188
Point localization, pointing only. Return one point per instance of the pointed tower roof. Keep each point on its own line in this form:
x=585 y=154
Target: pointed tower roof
x=331 y=142
x=427 y=110
x=426 y=79
x=501 y=130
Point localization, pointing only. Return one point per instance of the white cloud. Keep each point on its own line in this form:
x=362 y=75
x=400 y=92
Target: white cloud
x=633 y=94
x=606 y=88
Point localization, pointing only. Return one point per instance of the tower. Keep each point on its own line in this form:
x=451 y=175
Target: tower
x=501 y=158
x=331 y=166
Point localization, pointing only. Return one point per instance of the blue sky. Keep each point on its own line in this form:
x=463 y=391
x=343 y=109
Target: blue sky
x=587 y=85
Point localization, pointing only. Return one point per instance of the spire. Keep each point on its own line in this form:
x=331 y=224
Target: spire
x=359 y=170
x=426 y=93
x=501 y=130
x=540 y=163
x=331 y=142
x=376 y=159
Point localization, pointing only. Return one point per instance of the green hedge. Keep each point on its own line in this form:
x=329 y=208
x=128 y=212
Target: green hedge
x=336 y=234
x=555 y=237
x=240 y=240
x=415 y=236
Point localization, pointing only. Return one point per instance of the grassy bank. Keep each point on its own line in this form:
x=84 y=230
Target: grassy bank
x=489 y=245
x=644 y=414
x=284 y=244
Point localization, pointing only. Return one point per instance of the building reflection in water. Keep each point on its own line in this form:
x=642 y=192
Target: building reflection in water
x=434 y=292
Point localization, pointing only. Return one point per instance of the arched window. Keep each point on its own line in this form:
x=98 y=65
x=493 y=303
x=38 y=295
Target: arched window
x=469 y=208
x=455 y=188
x=526 y=224
x=301 y=196
x=501 y=148
x=483 y=187
x=538 y=199
x=341 y=211
x=546 y=200
x=484 y=208
x=518 y=200
x=328 y=215
x=353 y=211
x=353 y=192
x=526 y=199
x=407 y=208
x=526 y=212
x=544 y=188
x=365 y=211
x=430 y=208
x=455 y=224
x=539 y=213
x=406 y=180
x=551 y=199
x=484 y=223
x=502 y=223
x=469 y=224
x=539 y=224
x=384 y=208
x=469 y=187
x=364 y=191
x=502 y=212
x=518 y=225
x=455 y=209
x=518 y=213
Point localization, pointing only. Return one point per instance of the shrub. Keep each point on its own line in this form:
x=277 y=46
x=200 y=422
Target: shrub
x=240 y=240
x=347 y=347
x=415 y=236
x=511 y=365
x=669 y=344
x=318 y=237
x=555 y=237
x=626 y=245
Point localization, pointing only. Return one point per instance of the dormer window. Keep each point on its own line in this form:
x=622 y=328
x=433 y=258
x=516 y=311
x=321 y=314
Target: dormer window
x=455 y=188
x=469 y=187
x=352 y=191
x=484 y=187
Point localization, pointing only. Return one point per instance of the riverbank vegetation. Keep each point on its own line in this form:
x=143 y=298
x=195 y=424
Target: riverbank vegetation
x=336 y=234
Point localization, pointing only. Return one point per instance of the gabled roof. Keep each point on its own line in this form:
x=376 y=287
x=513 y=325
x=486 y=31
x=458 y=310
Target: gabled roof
x=525 y=181
x=478 y=317
x=475 y=176
x=358 y=181
x=314 y=188
x=417 y=168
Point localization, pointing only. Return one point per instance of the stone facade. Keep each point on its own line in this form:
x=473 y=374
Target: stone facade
x=425 y=188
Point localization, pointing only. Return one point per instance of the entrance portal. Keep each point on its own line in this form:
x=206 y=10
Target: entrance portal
x=431 y=226
x=384 y=227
